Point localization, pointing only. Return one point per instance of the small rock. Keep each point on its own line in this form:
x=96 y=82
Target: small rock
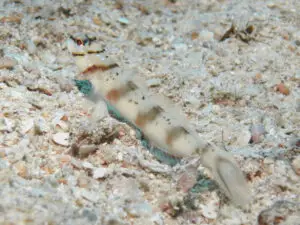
x=48 y=58
x=90 y=196
x=194 y=35
x=282 y=212
x=252 y=90
x=27 y=125
x=97 y=21
x=237 y=61
x=92 y=217
x=179 y=46
x=296 y=165
x=139 y=209
x=243 y=138
x=31 y=47
x=7 y=63
x=206 y=35
x=4 y=164
x=14 y=18
x=282 y=88
x=21 y=169
x=83 y=181
x=109 y=220
x=157 y=41
x=188 y=179
x=88 y=165
x=157 y=219
x=6 y=125
x=99 y=111
x=123 y=20
x=63 y=125
x=36 y=192
x=296 y=37
x=100 y=173
x=41 y=126
x=61 y=138
x=209 y=211
x=58 y=116
x=11 y=138
x=154 y=82
x=85 y=150
x=65 y=159
x=298 y=105
x=257 y=131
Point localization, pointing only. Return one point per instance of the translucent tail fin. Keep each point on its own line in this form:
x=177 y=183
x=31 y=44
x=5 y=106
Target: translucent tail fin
x=227 y=173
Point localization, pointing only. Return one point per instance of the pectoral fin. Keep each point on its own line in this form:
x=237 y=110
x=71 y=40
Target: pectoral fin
x=228 y=175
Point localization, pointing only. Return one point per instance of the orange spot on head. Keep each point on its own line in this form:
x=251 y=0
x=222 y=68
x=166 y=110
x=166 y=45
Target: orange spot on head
x=113 y=95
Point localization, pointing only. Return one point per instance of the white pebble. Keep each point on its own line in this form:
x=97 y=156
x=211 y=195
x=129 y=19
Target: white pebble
x=100 y=173
x=7 y=63
x=26 y=125
x=243 y=138
x=99 y=111
x=123 y=20
x=120 y=156
x=6 y=125
x=209 y=211
x=61 y=138
x=257 y=130
x=90 y=196
x=206 y=35
x=31 y=47
x=57 y=117
x=63 y=125
x=296 y=165
x=296 y=36
x=139 y=209
x=87 y=165
x=48 y=57
x=179 y=46
x=41 y=125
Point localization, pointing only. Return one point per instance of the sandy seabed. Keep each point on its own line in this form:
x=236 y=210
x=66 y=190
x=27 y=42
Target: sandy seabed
x=239 y=88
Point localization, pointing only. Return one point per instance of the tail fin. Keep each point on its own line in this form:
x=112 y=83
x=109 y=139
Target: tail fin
x=227 y=173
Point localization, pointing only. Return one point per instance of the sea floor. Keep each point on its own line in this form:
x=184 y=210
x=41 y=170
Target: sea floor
x=232 y=67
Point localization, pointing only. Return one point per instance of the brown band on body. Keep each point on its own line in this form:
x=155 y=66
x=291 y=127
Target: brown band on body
x=146 y=117
x=95 y=68
x=175 y=133
x=115 y=94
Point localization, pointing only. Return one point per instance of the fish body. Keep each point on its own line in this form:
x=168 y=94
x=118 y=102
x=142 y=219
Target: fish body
x=152 y=115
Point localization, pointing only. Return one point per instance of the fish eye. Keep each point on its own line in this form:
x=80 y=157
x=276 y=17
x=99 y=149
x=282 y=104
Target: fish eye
x=79 y=42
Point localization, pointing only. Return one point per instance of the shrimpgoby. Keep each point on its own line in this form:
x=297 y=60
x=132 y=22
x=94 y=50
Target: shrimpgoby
x=167 y=131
